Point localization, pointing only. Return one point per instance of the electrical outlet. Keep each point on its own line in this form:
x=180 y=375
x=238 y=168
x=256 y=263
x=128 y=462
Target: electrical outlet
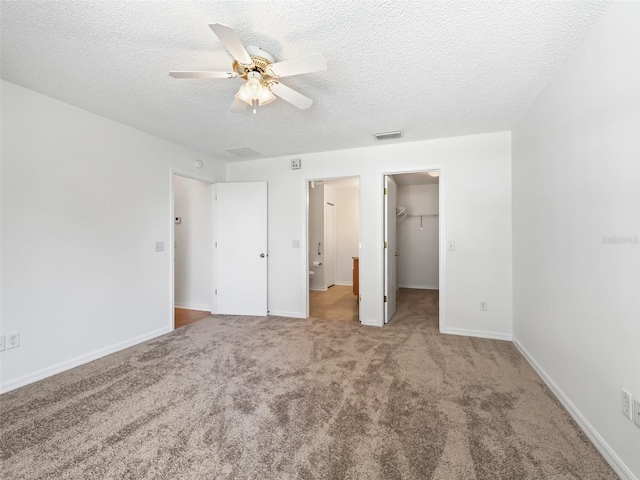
x=452 y=245
x=296 y=243
x=627 y=404
x=296 y=164
x=159 y=246
x=1 y=343
x=12 y=340
x=483 y=306
x=636 y=413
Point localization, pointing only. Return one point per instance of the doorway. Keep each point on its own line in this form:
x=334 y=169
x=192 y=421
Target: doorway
x=333 y=233
x=413 y=257
x=191 y=250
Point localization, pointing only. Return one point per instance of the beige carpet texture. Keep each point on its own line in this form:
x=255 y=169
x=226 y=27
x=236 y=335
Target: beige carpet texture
x=279 y=398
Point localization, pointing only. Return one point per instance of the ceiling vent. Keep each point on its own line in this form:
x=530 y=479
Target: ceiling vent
x=244 y=152
x=388 y=135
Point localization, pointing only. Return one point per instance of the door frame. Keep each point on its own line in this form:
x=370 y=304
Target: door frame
x=442 y=241
x=305 y=184
x=173 y=172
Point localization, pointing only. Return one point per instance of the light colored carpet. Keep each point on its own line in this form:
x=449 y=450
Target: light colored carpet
x=276 y=398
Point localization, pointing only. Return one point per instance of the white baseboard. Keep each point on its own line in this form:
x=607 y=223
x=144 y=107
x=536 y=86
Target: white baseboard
x=191 y=306
x=319 y=289
x=420 y=287
x=603 y=447
x=281 y=313
x=371 y=323
x=346 y=284
x=77 y=361
x=478 y=333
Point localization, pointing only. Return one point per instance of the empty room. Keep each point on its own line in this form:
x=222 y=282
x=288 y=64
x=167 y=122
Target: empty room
x=330 y=240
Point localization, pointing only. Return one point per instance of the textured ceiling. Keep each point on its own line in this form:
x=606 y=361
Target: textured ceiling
x=433 y=69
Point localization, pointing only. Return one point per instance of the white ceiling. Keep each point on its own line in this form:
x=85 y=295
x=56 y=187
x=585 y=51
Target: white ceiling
x=433 y=69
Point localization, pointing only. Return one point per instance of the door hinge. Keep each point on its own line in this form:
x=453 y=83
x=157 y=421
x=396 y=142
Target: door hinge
x=385 y=299
x=216 y=244
x=216 y=291
x=216 y=196
x=385 y=191
x=385 y=245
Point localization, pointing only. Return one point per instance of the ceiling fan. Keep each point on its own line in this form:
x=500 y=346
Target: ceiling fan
x=260 y=72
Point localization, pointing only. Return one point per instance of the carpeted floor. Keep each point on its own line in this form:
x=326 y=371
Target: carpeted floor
x=276 y=398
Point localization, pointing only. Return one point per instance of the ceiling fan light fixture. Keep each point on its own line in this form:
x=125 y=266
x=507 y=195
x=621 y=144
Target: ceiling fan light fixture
x=266 y=97
x=434 y=173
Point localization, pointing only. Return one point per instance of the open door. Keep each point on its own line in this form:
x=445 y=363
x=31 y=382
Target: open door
x=240 y=248
x=390 y=251
x=330 y=245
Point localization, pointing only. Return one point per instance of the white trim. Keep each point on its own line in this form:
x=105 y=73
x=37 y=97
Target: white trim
x=420 y=287
x=204 y=308
x=81 y=360
x=282 y=313
x=603 y=447
x=346 y=284
x=371 y=323
x=318 y=289
x=478 y=333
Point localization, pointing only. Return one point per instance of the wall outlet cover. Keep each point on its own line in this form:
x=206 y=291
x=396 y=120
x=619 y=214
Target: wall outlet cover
x=296 y=164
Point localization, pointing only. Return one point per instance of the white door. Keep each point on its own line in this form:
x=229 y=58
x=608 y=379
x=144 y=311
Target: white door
x=240 y=248
x=330 y=244
x=390 y=253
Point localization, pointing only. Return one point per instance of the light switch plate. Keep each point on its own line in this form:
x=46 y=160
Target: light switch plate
x=12 y=340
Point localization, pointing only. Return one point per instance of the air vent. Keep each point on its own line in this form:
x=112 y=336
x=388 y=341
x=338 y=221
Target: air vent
x=388 y=135
x=244 y=152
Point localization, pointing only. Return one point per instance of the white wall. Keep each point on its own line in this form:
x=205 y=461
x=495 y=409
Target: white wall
x=192 y=202
x=576 y=183
x=418 y=247
x=476 y=184
x=84 y=199
x=347 y=201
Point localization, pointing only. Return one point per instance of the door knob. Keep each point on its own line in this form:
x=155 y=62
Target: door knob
x=262 y=255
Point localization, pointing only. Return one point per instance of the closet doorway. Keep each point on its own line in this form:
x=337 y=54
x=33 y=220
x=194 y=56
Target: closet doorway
x=412 y=251
x=333 y=233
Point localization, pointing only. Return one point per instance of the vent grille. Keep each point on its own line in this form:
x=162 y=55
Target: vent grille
x=244 y=152
x=388 y=135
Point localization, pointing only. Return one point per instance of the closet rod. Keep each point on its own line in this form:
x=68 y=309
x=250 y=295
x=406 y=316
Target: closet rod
x=426 y=215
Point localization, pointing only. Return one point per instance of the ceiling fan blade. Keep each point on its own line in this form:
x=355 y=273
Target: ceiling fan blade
x=290 y=95
x=238 y=106
x=203 y=74
x=230 y=40
x=287 y=68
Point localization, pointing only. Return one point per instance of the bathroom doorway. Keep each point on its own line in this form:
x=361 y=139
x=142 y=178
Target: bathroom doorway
x=333 y=235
